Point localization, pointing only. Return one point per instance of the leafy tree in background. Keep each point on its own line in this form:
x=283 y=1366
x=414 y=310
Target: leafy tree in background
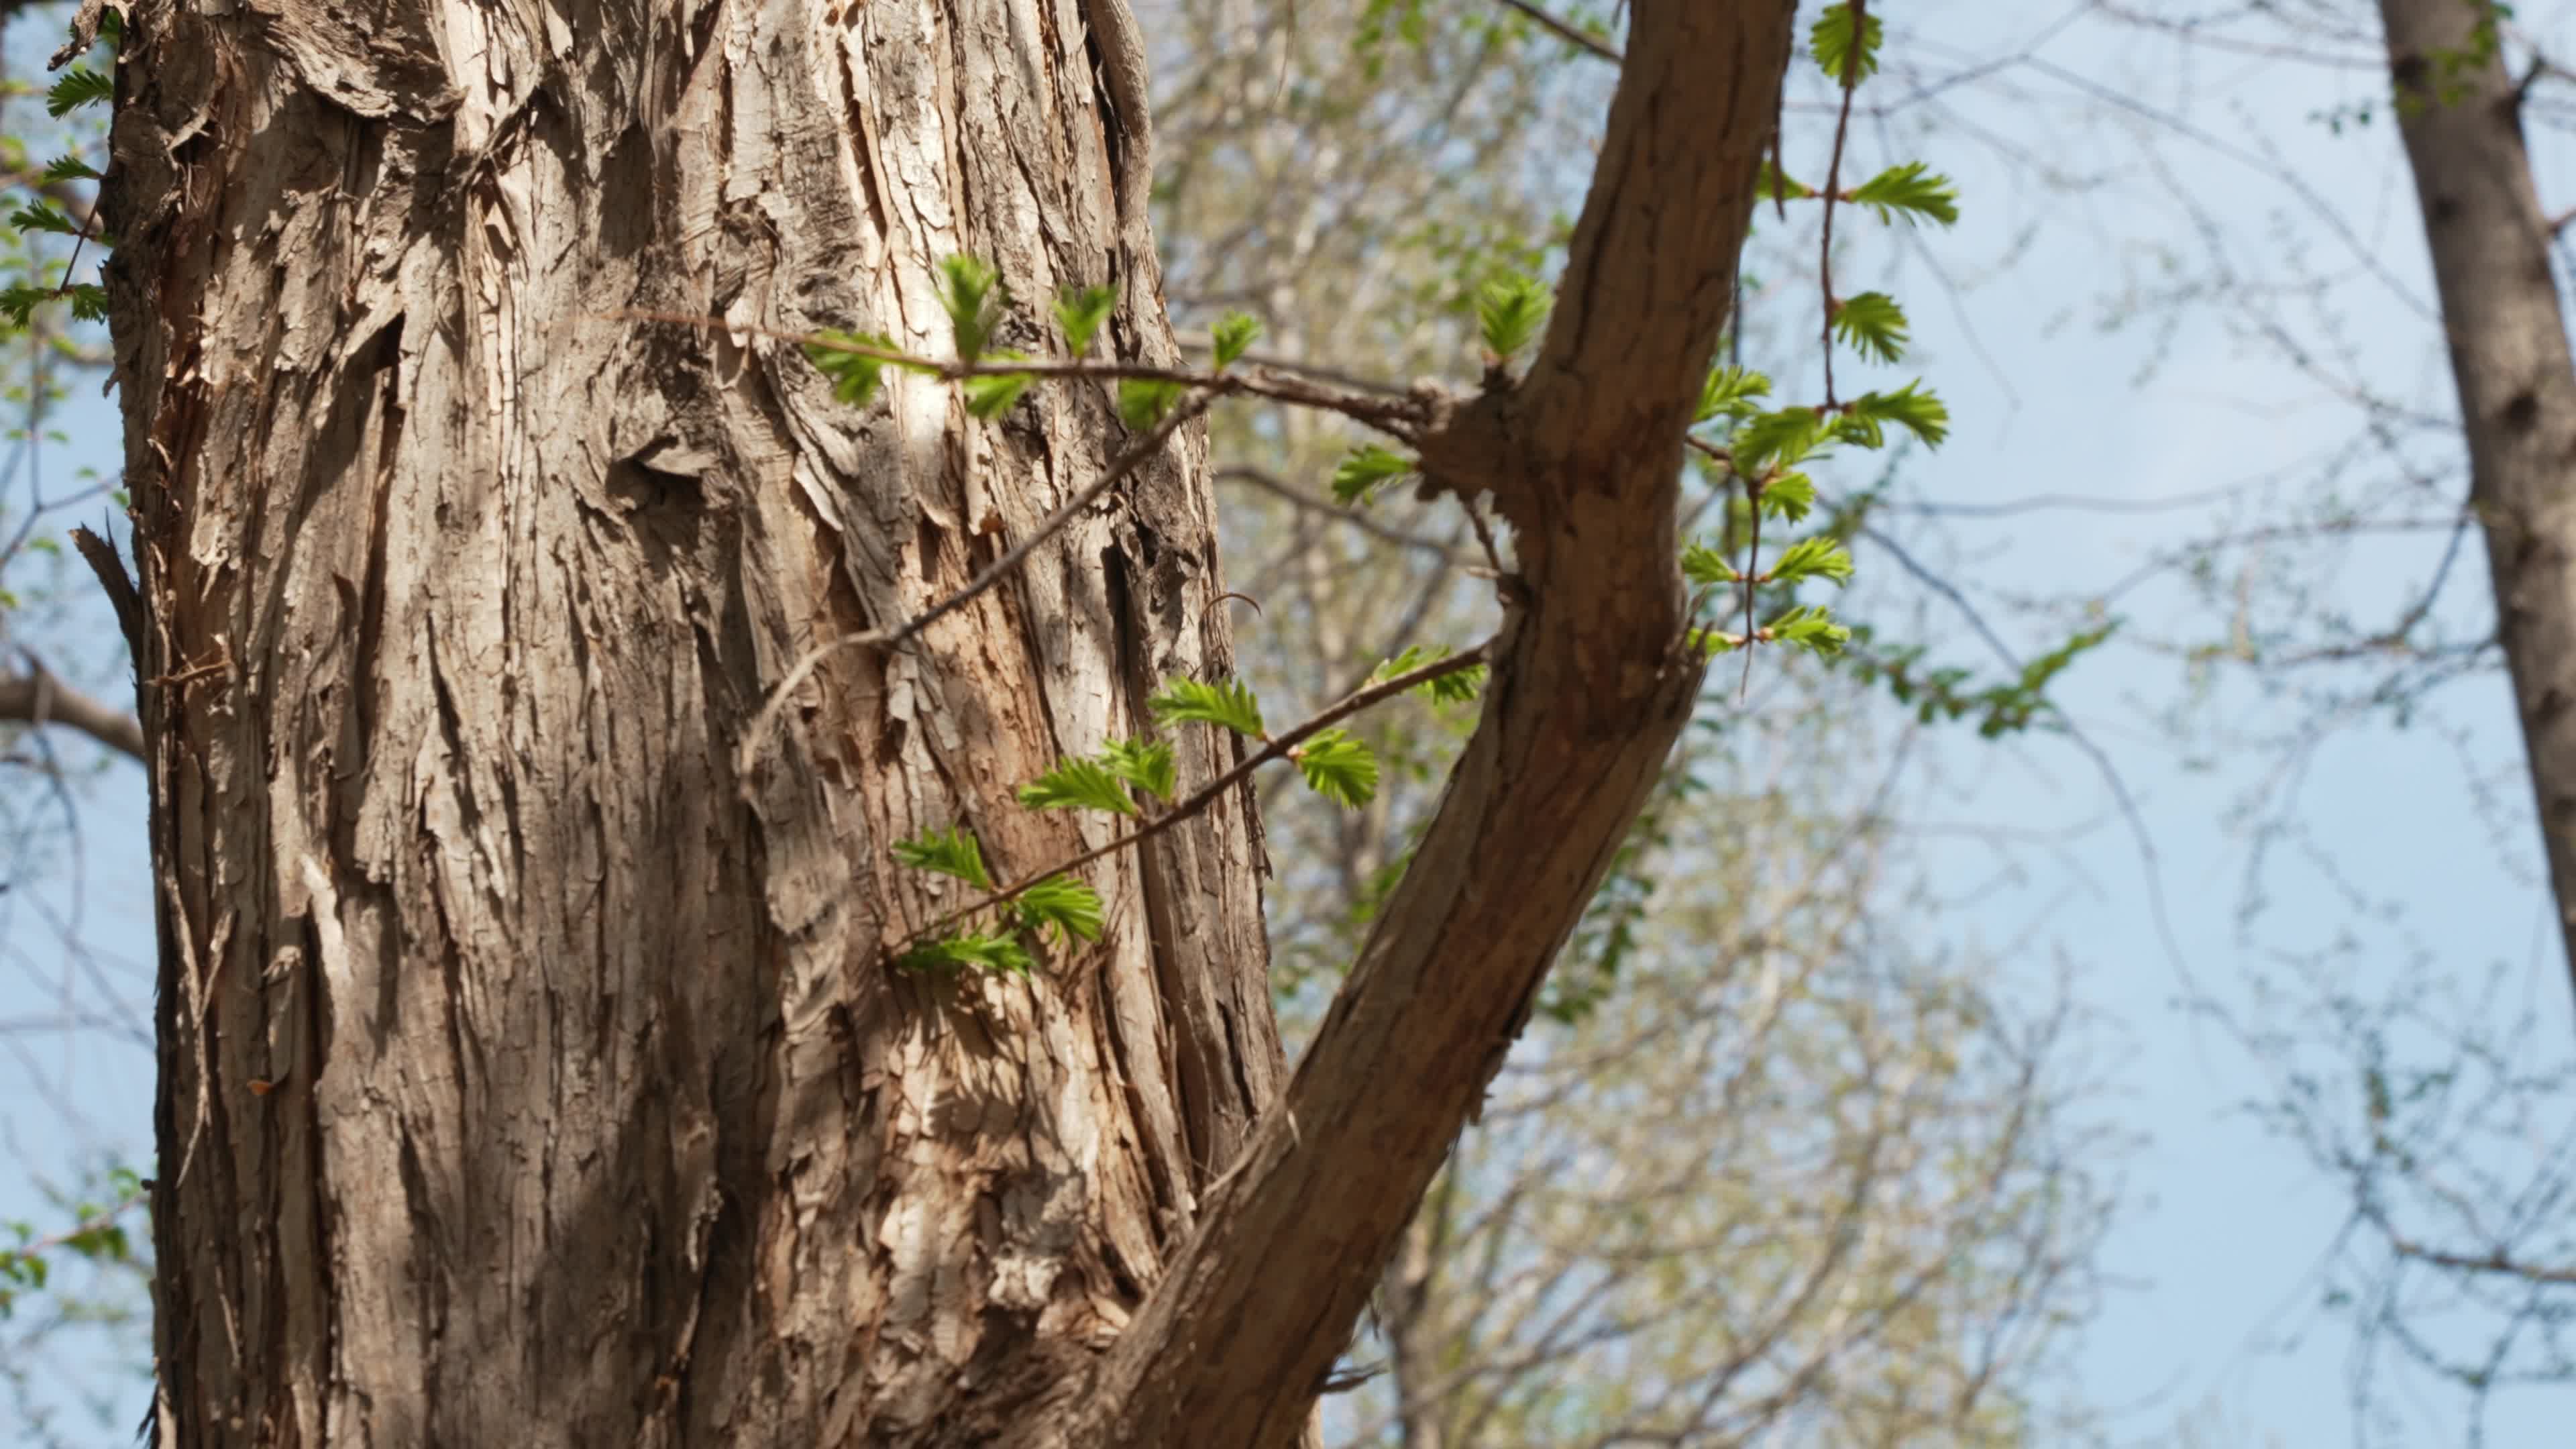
x=2338 y=594
x=73 y=1326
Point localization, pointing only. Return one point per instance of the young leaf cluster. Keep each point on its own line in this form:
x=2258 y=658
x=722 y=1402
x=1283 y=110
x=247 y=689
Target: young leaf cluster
x=1225 y=703
x=1764 y=446
x=1511 y=310
x=1457 y=687
x=1102 y=782
x=1337 y=767
x=1056 y=906
x=79 y=87
x=1366 y=471
x=1845 y=45
x=1334 y=763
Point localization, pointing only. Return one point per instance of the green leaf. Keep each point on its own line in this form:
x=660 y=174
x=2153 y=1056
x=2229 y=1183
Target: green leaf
x=1454 y=688
x=989 y=395
x=946 y=852
x=1337 y=767
x=1145 y=764
x=71 y=168
x=1912 y=409
x=1730 y=390
x=43 y=216
x=970 y=948
x=1233 y=336
x=1706 y=568
x=1872 y=323
x=1782 y=439
x=1817 y=557
x=1224 y=702
x=1809 y=628
x=1789 y=496
x=1145 y=401
x=20 y=301
x=1770 y=184
x=973 y=295
x=1062 y=906
x=89 y=301
x=1910 y=190
x=1367 y=469
x=1510 y=311
x=854 y=375
x=1078 y=784
x=1848 y=53
x=1081 y=312
x=80 y=86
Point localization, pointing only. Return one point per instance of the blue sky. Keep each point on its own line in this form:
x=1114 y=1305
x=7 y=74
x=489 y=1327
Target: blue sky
x=2215 y=1255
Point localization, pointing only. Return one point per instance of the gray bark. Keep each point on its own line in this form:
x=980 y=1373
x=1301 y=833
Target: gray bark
x=2460 y=113
x=529 y=1075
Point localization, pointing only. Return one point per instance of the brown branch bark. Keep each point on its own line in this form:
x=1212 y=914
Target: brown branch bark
x=1589 y=690
x=36 y=697
x=2460 y=114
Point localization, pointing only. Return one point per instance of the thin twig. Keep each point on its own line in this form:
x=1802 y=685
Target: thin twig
x=2496 y=1262
x=1850 y=79
x=1323 y=372
x=1276 y=748
x=1125 y=463
x=1565 y=32
x=1484 y=536
x=104 y=1217
x=1399 y=415
x=1279 y=488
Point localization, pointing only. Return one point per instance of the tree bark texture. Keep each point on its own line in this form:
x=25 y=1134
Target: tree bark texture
x=2461 y=115
x=528 y=1076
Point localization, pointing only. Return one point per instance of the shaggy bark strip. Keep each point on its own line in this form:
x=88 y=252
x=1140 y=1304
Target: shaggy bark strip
x=2461 y=116
x=521 y=1084
x=1590 y=687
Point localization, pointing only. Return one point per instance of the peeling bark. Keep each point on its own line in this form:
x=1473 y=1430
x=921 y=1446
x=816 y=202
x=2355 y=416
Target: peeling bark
x=529 y=1075
x=2461 y=116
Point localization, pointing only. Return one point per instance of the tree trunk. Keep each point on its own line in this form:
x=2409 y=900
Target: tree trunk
x=527 y=1075
x=2461 y=115
x=531 y=1075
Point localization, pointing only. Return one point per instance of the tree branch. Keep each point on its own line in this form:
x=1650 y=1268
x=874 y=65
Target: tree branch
x=1563 y=31
x=36 y=697
x=1276 y=747
x=2498 y=1263
x=1591 y=685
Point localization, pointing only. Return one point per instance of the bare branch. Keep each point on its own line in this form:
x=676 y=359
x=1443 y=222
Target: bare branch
x=1563 y=31
x=1276 y=749
x=1280 y=489
x=2497 y=1262
x=37 y=697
